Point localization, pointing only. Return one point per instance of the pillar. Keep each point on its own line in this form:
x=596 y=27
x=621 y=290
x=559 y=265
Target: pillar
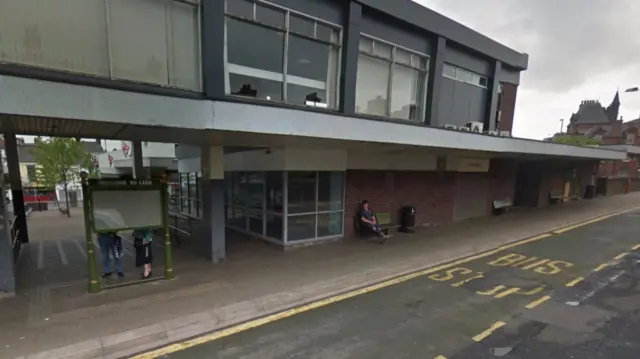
x=138 y=163
x=7 y=275
x=212 y=232
x=17 y=195
x=350 y=53
x=434 y=81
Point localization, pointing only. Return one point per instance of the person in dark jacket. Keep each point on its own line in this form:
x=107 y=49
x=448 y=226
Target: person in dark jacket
x=143 y=239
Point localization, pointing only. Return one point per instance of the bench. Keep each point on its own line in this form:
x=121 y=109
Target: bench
x=384 y=220
x=501 y=206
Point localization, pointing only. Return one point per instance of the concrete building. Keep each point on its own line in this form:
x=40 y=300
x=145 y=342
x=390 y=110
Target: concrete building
x=288 y=112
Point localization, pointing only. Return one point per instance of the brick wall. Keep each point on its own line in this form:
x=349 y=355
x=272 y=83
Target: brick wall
x=507 y=106
x=432 y=194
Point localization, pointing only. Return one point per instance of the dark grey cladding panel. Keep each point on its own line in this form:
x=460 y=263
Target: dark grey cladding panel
x=186 y=151
x=509 y=75
x=387 y=28
x=330 y=10
x=413 y=13
x=461 y=103
x=468 y=61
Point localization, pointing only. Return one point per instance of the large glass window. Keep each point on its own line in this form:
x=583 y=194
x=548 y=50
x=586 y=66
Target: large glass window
x=150 y=41
x=293 y=205
x=188 y=194
x=391 y=81
x=275 y=54
x=315 y=205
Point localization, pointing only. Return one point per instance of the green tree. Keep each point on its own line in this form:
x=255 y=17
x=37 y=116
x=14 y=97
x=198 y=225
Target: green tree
x=59 y=162
x=575 y=140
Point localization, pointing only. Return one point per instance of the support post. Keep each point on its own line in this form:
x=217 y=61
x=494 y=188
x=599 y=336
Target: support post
x=7 y=254
x=349 y=61
x=92 y=272
x=213 y=218
x=168 y=259
x=17 y=195
x=138 y=163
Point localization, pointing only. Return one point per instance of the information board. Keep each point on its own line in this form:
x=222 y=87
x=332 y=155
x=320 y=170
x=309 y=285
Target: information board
x=126 y=209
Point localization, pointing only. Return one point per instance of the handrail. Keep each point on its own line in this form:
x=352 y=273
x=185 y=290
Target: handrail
x=179 y=230
x=13 y=223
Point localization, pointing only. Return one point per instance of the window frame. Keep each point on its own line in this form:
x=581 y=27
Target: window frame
x=391 y=60
x=332 y=102
x=476 y=77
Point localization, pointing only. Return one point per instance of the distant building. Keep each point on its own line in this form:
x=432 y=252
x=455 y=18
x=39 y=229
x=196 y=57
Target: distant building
x=593 y=120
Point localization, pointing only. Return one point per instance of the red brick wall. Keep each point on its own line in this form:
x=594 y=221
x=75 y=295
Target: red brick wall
x=507 y=106
x=432 y=194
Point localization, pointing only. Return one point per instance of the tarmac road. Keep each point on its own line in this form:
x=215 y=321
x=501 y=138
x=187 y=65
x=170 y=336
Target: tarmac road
x=572 y=294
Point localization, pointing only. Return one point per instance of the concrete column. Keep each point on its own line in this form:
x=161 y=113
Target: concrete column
x=434 y=82
x=7 y=274
x=13 y=164
x=138 y=163
x=492 y=99
x=349 y=72
x=212 y=232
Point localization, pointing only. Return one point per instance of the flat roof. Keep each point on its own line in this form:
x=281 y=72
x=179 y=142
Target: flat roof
x=431 y=21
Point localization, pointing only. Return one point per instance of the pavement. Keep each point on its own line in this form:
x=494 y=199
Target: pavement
x=53 y=317
x=564 y=294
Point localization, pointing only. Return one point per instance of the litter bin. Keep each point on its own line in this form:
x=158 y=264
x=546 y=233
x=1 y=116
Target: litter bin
x=407 y=219
x=590 y=192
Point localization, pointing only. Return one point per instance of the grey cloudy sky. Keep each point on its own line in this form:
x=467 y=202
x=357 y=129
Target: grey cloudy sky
x=578 y=49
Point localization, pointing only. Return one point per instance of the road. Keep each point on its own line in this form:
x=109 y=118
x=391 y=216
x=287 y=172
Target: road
x=567 y=294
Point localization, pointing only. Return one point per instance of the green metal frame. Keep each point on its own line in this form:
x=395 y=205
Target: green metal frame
x=88 y=187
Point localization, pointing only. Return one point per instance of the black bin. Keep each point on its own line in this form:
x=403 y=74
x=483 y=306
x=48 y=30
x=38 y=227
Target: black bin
x=590 y=192
x=407 y=219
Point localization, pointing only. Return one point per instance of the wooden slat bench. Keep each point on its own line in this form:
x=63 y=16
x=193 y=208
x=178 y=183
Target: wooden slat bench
x=501 y=206
x=384 y=220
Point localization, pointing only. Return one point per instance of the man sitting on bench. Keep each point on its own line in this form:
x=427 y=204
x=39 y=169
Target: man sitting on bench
x=368 y=220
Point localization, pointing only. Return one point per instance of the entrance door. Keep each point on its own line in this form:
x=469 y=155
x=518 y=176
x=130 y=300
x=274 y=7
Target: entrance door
x=471 y=195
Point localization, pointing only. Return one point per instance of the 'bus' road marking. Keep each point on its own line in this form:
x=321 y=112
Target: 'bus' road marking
x=41 y=255
x=537 y=302
x=486 y=333
x=63 y=256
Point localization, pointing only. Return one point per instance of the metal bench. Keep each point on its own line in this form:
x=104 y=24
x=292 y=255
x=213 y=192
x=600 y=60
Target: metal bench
x=384 y=220
x=501 y=206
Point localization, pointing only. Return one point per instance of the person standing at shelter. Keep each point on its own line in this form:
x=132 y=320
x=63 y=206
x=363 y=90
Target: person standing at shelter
x=142 y=240
x=110 y=244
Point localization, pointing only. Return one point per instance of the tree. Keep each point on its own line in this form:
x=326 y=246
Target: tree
x=575 y=140
x=58 y=162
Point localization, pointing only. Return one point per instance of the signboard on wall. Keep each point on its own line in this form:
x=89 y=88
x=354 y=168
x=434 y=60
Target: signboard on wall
x=468 y=164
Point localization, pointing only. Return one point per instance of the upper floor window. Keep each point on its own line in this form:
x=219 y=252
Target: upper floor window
x=391 y=80
x=277 y=54
x=458 y=74
x=148 y=41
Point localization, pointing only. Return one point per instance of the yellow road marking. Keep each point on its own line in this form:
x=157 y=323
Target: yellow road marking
x=532 y=239
x=537 y=302
x=488 y=332
x=575 y=281
x=601 y=267
x=288 y=313
x=620 y=256
x=507 y=292
x=636 y=247
x=440 y=357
